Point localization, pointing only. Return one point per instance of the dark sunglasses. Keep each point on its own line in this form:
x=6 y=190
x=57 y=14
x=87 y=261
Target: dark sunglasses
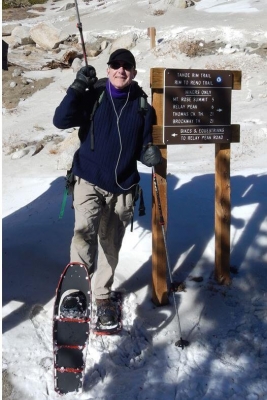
x=124 y=65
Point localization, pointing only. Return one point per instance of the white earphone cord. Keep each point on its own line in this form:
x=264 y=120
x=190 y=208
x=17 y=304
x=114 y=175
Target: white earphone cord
x=119 y=133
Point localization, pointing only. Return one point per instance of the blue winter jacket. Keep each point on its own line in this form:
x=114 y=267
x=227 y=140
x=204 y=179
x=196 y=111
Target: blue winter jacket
x=112 y=165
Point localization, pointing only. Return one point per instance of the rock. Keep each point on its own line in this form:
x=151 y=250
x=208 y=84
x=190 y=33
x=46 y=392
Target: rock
x=63 y=46
x=47 y=36
x=66 y=7
x=19 y=154
x=76 y=64
x=17 y=72
x=7 y=29
x=124 y=42
x=88 y=37
x=66 y=150
x=69 y=56
x=249 y=96
x=178 y=3
x=92 y=50
x=104 y=45
x=22 y=35
x=12 y=42
x=190 y=3
x=56 y=51
x=229 y=49
x=38 y=148
x=38 y=58
x=93 y=53
x=16 y=147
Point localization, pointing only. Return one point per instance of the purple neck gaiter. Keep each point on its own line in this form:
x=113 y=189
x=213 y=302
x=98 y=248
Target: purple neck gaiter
x=117 y=93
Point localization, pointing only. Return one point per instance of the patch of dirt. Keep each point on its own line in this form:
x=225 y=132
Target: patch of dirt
x=16 y=88
x=6 y=386
x=19 y=13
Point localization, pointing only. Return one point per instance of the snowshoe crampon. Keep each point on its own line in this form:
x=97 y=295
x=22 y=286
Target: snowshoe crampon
x=71 y=326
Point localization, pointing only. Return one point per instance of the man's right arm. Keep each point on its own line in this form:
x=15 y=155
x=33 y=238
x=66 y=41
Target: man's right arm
x=71 y=111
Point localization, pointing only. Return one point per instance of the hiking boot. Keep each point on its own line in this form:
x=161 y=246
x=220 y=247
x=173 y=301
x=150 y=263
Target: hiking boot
x=106 y=312
x=73 y=305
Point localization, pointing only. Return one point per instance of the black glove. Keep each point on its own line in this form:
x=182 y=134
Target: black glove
x=85 y=78
x=152 y=156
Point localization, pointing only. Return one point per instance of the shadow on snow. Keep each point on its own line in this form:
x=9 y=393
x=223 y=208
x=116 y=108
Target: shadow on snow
x=36 y=249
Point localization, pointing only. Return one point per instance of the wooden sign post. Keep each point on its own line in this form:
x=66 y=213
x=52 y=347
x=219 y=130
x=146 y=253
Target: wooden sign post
x=159 y=283
x=151 y=32
x=193 y=106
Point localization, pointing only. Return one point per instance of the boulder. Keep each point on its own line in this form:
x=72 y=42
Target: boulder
x=104 y=45
x=177 y=3
x=127 y=41
x=88 y=37
x=180 y=3
x=12 y=42
x=69 y=55
x=19 y=154
x=47 y=36
x=21 y=35
x=76 y=64
x=7 y=29
x=66 y=7
x=66 y=150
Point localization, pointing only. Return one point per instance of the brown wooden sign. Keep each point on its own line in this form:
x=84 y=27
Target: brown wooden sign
x=222 y=172
x=197 y=106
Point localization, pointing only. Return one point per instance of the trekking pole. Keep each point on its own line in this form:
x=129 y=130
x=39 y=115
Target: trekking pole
x=79 y=26
x=181 y=342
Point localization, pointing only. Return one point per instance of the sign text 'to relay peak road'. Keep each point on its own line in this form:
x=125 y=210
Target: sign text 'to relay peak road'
x=197 y=106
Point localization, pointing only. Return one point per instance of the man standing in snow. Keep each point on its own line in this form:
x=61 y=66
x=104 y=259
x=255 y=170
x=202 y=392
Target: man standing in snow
x=105 y=167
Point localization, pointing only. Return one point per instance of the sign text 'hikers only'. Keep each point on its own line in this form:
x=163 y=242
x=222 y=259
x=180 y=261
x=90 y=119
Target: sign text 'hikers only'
x=197 y=106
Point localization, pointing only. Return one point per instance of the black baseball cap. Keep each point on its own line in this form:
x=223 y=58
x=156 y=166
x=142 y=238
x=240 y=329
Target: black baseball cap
x=122 y=55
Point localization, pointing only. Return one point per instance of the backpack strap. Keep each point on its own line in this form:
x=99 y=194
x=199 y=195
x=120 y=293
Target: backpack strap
x=99 y=88
x=138 y=194
x=143 y=104
x=91 y=119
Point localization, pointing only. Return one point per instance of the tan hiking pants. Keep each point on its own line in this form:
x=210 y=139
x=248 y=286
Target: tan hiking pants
x=100 y=221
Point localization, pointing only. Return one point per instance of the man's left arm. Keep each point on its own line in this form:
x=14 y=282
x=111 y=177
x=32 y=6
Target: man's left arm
x=150 y=155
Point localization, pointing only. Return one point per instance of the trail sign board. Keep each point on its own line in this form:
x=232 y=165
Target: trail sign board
x=197 y=106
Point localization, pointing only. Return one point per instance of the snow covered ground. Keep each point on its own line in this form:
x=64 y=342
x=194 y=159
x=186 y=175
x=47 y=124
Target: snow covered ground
x=226 y=326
